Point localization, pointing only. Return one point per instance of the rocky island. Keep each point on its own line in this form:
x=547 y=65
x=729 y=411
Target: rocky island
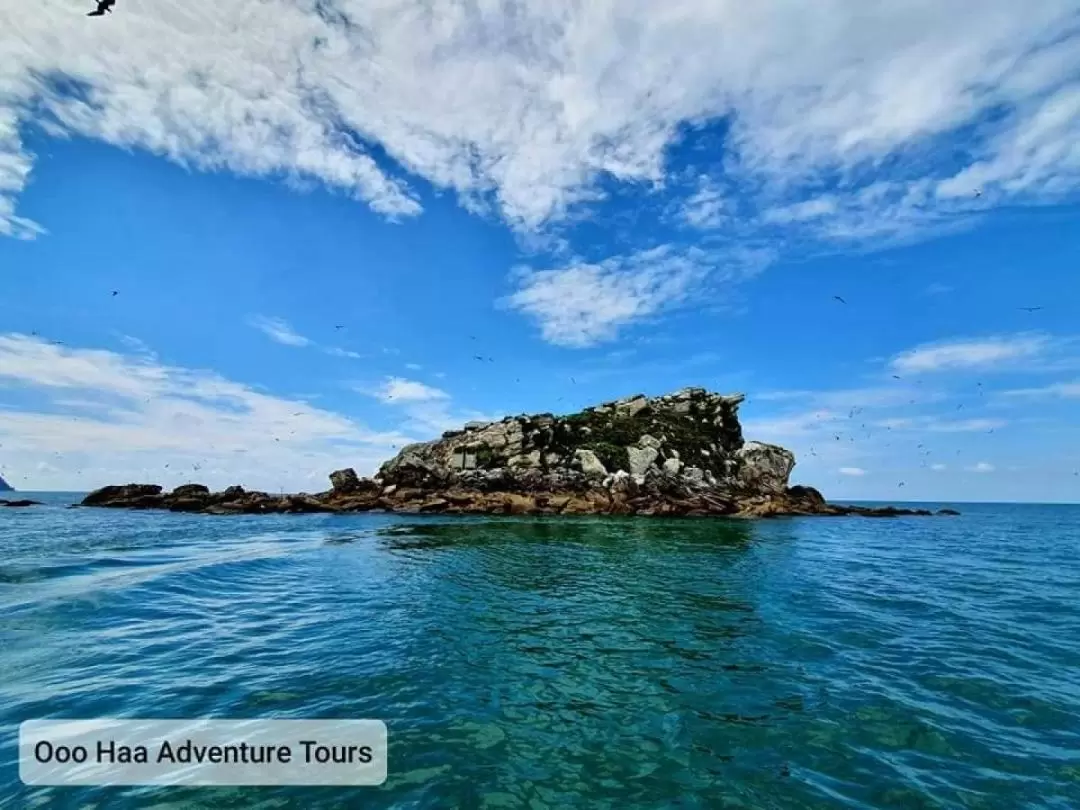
x=678 y=454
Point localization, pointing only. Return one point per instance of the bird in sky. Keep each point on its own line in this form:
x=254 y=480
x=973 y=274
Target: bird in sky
x=838 y=298
x=339 y=326
x=978 y=192
x=115 y=292
x=103 y=6
x=1031 y=309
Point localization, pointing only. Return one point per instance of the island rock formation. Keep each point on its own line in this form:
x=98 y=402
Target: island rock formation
x=678 y=454
x=5 y=486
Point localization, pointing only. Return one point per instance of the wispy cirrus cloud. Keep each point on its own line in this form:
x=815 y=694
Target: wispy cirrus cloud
x=397 y=389
x=970 y=353
x=279 y=331
x=428 y=410
x=1057 y=390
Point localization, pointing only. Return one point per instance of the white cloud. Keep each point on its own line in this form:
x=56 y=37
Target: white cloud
x=428 y=410
x=856 y=400
x=337 y=351
x=109 y=418
x=1060 y=390
x=853 y=471
x=278 y=330
x=584 y=304
x=397 y=389
x=981 y=467
x=708 y=207
x=527 y=107
x=975 y=353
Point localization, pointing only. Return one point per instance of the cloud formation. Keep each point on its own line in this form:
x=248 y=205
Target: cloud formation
x=101 y=417
x=529 y=108
x=396 y=389
x=278 y=330
x=281 y=331
x=965 y=354
x=1058 y=390
x=583 y=304
x=917 y=432
x=427 y=410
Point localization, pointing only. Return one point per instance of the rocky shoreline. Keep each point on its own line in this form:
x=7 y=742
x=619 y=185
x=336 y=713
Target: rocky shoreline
x=682 y=454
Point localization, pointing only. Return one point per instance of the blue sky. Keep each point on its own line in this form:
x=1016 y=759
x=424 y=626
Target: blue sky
x=314 y=228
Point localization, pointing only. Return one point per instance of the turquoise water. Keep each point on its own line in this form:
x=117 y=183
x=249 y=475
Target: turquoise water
x=811 y=663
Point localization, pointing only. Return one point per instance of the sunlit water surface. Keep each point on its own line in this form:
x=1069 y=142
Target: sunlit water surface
x=602 y=663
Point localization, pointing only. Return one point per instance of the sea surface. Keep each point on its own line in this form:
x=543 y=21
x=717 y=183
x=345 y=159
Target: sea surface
x=563 y=663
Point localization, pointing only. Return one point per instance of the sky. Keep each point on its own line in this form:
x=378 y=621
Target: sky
x=254 y=242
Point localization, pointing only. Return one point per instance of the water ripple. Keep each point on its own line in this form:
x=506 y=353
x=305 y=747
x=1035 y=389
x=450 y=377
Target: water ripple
x=570 y=663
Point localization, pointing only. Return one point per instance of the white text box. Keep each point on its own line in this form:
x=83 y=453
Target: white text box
x=202 y=752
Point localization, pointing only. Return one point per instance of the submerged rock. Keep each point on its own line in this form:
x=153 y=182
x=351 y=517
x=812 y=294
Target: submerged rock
x=678 y=454
x=20 y=502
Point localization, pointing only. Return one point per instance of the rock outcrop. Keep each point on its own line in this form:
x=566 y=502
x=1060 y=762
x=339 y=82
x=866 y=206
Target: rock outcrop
x=678 y=454
x=5 y=486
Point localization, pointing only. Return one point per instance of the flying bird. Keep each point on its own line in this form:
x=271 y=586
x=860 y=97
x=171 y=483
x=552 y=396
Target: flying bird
x=1031 y=309
x=838 y=298
x=115 y=292
x=103 y=6
x=895 y=377
x=978 y=192
x=340 y=326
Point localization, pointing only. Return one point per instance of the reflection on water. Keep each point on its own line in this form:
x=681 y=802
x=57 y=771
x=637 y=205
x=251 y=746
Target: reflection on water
x=610 y=663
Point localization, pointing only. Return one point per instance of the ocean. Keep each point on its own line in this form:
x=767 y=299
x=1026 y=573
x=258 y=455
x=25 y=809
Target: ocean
x=563 y=663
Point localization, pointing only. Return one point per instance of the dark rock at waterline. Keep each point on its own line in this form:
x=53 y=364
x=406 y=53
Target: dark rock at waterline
x=20 y=502
x=682 y=454
x=190 y=491
x=121 y=495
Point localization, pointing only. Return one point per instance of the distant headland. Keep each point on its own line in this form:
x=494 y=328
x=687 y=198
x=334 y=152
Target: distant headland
x=678 y=454
x=5 y=486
